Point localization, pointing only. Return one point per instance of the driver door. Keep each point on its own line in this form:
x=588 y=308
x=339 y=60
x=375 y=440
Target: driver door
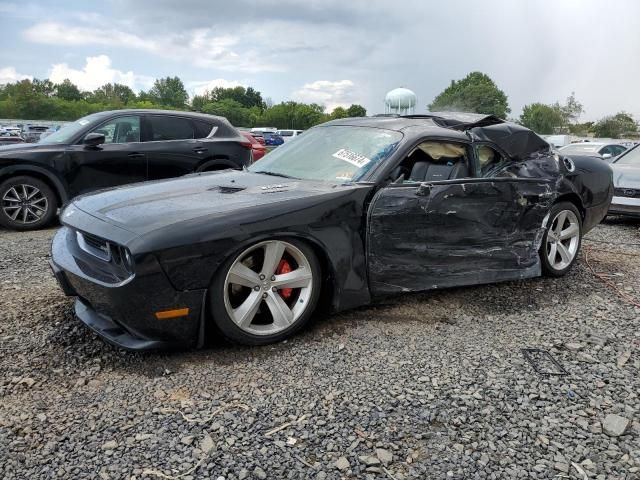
x=455 y=232
x=118 y=161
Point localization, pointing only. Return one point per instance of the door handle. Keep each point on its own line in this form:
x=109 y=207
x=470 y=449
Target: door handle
x=135 y=155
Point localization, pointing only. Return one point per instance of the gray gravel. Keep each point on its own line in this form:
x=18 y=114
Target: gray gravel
x=430 y=385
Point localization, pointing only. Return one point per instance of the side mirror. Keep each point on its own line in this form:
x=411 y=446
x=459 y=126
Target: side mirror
x=606 y=156
x=93 y=139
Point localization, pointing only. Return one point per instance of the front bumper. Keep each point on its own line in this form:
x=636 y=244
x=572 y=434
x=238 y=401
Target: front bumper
x=124 y=313
x=625 y=206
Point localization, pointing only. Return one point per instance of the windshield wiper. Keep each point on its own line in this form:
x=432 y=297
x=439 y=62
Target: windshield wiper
x=274 y=174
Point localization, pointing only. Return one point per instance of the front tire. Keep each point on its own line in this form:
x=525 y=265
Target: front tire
x=561 y=242
x=26 y=203
x=267 y=292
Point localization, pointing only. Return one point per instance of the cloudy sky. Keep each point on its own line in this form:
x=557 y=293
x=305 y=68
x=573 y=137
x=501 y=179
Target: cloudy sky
x=335 y=52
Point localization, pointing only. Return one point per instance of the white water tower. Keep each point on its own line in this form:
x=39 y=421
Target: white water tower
x=401 y=101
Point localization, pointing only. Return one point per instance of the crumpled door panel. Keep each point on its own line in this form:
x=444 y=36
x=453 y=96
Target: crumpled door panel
x=454 y=233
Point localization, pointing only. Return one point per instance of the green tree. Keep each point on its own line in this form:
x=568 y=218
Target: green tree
x=199 y=101
x=232 y=110
x=68 y=91
x=339 y=112
x=356 y=110
x=615 y=126
x=114 y=93
x=44 y=87
x=581 y=129
x=293 y=115
x=475 y=93
x=169 y=92
x=541 y=118
x=41 y=99
x=247 y=97
x=571 y=110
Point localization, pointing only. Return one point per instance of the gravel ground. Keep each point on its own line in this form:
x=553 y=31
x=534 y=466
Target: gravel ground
x=430 y=385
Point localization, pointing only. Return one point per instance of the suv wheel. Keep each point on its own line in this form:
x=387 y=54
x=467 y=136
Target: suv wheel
x=26 y=203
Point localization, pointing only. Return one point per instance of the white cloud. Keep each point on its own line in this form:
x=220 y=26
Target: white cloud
x=96 y=72
x=201 y=47
x=341 y=93
x=200 y=87
x=9 y=75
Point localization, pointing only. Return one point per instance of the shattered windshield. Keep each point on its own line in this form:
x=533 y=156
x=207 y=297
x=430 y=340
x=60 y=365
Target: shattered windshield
x=331 y=153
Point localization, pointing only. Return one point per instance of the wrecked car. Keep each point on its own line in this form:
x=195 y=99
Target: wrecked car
x=353 y=210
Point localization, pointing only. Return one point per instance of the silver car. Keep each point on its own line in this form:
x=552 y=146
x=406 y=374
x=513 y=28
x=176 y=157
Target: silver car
x=596 y=149
x=626 y=182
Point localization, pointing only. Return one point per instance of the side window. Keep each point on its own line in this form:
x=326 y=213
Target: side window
x=489 y=160
x=607 y=151
x=431 y=161
x=203 y=129
x=617 y=150
x=121 y=130
x=169 y=128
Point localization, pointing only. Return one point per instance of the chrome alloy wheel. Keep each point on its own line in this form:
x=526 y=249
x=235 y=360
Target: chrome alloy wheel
x=563 y=239
x=24 y=203
x=268 y=287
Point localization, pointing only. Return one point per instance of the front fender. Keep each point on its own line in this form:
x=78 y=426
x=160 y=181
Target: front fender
x=334 y=228
x=20 y=169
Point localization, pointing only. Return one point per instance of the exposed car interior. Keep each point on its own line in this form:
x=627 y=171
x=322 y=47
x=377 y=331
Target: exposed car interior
x=433 y=161
x=121 y=130
x=489 y=160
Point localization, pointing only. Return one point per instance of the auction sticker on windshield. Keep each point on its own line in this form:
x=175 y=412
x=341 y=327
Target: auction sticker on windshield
x=352 y=157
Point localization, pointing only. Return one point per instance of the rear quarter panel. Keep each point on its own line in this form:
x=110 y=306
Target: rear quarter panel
x=592 y=182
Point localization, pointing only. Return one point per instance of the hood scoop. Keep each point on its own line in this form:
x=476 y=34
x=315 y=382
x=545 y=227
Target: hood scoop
x=227 y=188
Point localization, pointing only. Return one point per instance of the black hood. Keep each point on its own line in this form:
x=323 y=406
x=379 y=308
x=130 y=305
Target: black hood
x=202 y=198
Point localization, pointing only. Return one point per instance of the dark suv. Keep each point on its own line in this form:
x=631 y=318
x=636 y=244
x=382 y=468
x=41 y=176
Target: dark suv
x=107 y=149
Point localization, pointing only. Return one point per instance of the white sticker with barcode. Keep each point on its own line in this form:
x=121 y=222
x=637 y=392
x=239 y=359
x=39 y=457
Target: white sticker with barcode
x=352 y=157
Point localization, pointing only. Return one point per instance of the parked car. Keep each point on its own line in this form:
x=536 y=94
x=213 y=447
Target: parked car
x=264 y=130
x=258 y=137
x=289 y=134
x=32 y=133
x=108 y=149
x=353 y=210
x=604 y=150
x=11 y=140
x=272 y=139
x=626 y=181
x=257 y=149
x=11 y=130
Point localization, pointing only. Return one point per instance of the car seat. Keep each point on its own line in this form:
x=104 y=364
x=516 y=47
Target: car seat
x=442 y=169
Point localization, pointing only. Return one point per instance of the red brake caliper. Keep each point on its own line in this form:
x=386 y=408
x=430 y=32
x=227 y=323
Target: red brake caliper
x=284 y=267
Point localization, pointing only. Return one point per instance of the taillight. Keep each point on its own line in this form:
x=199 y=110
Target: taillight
x=247 y=145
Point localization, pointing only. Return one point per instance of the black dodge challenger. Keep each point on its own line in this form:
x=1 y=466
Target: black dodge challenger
x=352 y=210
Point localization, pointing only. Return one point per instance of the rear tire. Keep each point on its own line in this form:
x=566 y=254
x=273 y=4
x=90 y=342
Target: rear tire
x=266 y=292
x=26 y=203
x=562 y=240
